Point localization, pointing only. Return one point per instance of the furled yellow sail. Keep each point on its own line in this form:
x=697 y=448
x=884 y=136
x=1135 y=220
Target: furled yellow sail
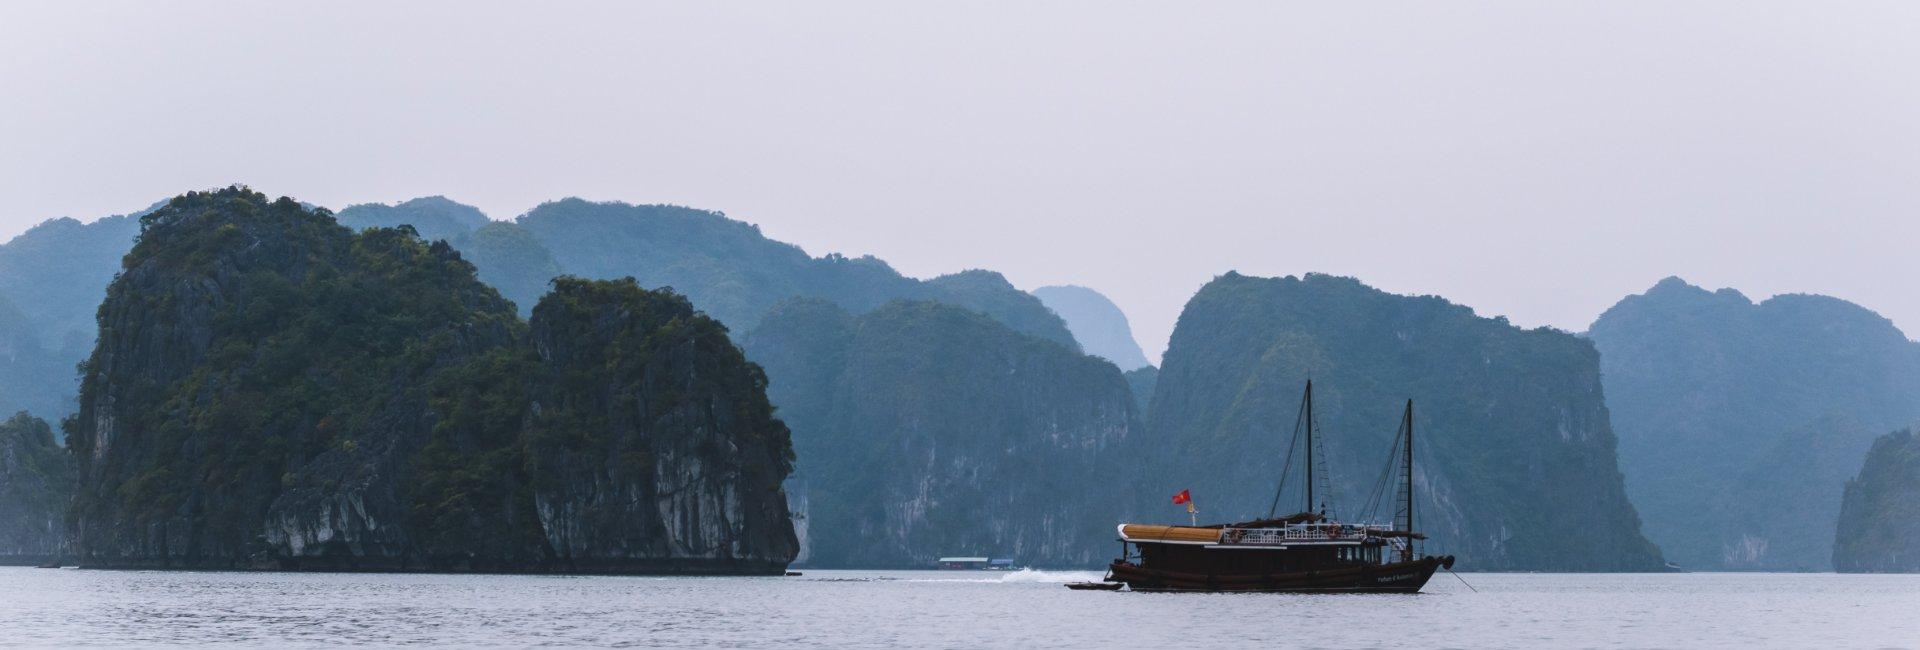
x=1156 y=533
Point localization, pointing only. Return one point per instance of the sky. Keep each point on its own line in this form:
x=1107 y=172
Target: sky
x=1533 y=160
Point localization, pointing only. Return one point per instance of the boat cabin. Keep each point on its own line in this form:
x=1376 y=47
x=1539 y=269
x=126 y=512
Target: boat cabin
x=1266 y=549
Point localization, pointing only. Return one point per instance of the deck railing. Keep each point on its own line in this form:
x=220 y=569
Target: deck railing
x=1299 y=534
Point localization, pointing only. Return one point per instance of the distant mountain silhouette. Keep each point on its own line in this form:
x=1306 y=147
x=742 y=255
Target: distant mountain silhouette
x=1097 y=323
x=1739 y=423
x=727 y=267
x=1142 y=381
x=434 y=217
x=735 y=273
x=52 y=278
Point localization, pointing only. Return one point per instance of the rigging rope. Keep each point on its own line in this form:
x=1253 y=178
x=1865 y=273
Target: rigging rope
x=1379 y=491
x=1377 y=497
x=1288 y=467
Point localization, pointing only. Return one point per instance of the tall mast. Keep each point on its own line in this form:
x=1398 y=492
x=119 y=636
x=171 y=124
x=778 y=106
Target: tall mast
x=1293 y=443
x=1406 y=489
x=1309 y=445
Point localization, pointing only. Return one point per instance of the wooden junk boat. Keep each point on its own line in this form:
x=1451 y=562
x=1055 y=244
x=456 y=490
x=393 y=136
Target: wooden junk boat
x=1304 y=552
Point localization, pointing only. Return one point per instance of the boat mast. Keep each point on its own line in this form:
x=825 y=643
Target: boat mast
x=1309 y=445
x=1406 y=489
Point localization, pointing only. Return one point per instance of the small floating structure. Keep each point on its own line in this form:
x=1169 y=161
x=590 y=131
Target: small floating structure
x=970 y=563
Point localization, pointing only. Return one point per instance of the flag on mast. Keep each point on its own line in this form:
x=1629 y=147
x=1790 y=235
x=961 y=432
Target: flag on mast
x=1185 y=497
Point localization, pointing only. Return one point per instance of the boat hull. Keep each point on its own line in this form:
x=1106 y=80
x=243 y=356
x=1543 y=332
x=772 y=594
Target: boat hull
x=1391 y=578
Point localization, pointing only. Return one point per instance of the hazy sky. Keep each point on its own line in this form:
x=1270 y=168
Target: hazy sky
x=1536 y=160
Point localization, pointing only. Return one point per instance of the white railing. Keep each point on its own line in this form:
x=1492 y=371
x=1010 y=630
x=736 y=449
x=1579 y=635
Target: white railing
x=1300 y=533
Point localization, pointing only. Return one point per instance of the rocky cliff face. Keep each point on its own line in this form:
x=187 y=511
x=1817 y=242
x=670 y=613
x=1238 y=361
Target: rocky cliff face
x=1515 y=467
x=1879 y=523
x=271 y=390
x=1740 y=422
x=36 y=481
x=1096 y=322
x=925 y=430
x=651 y=436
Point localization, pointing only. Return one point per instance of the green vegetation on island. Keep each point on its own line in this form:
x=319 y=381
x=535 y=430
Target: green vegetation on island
x=36 y=481
x=1879 y=523
x=272 y=390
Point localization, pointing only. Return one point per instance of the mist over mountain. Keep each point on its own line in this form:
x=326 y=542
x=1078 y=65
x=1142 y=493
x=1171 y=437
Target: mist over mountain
x=1097 y=324
x=1515 y=465
x=52 y=278
x=1879 y=524
x=510 y=259
x=925 y=430
x=505 y=256
x=727 y=267
x=434 y=217
x=1142 y=381
x=33 y=378
x=1740 y=423
x=735 y=273
x=273 y=390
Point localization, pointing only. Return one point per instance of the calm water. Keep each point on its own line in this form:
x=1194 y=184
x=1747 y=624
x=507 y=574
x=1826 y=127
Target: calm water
x=947 y=609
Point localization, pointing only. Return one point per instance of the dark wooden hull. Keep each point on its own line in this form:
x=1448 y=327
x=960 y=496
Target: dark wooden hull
x=1390 y=578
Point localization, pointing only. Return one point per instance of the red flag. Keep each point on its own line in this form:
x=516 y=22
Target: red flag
x=1182 y=497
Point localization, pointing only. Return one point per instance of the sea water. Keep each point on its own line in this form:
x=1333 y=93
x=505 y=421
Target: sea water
x=948 y=609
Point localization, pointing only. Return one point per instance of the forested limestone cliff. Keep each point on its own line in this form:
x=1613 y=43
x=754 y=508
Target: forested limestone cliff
x=1515 y=467
x=924 y=430
x=36 y=481
x=1879 y=523
x=272 y=390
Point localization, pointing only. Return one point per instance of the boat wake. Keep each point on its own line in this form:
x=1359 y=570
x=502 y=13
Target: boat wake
x=1021 y=576
x=1051 y=577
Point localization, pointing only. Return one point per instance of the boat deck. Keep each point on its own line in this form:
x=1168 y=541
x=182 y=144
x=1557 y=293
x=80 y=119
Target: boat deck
x=1300 y=535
